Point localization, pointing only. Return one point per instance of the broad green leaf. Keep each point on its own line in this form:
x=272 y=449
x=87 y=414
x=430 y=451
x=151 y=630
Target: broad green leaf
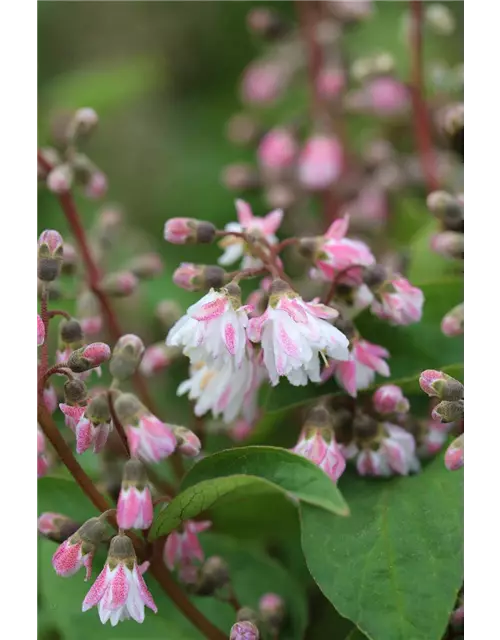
x=221 y=473
x=413 y=348
x=63 y=495
x=395 y=566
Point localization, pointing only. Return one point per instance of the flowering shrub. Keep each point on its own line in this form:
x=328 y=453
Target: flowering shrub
x=300 y=375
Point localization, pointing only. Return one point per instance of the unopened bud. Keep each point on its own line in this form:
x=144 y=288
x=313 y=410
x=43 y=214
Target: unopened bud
x=60 y=179
x=188 y=442
x=244 y=630
x=75 y=392
x=82 y=123
x=158 y=357
x=454 y=456
x=272 y=610
x=448 y=209
x=134 y=474
x=119 y=284
x=168 y=312
x=126 y=356
x=120 y=549
x=199 y=277
x=448 y=411
x=277 y=149
x=240 y=177
x=213 y=576
x=242 y=129
x=247 y=614
x=266 y=23
x=146 y=266
x=453 y=322
x=70 y=334
x=188 y=231
x=440 y=385
x=449 y=244
x=89 y=357
x=440 y=19
x=91 y=532
x=50 y=255
x=56 y=527
x=89 y=313
x=128 y=408
x=98 y=411
x=389 y=399
x=96 y=186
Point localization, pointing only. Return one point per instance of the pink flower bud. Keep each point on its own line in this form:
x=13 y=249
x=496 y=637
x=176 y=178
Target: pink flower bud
x=188 y=442
x=320 y=162
x=330 y=83
x=78 y=550
x=183 y=550
x=56 y=526
x=127 y=355
x=262 y=83
x=119 y=284
x=135 y=506
x=42 y=461
x=449 y=244
x=454 y=456
x=199 y=277
x=89 y=357
x=60 y=179
x=272 y=610
x=97 y=185
x=240 y=430
x=453 y=322
x=387 y=96
x=440 y=385
x=244 y=630
x=277 y=149
x=86 y=118
x=50 y=244
x=146 y=266
x=188 y=230
x=40 y=331
x=390 y=399
x=92 y=325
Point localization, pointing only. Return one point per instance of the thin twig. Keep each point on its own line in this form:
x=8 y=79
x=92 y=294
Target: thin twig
x=117 y=424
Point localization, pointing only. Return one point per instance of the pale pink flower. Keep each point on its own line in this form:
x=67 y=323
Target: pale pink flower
x=387 y=96
x=150 y=439
x=213 y=328
x=318 y=445
x=119 y=590
x=277 y=149
x=78 y=550
x=330 y=82
x=341 y=255
x=293 y=333
x=183 y=551
x=389 y=399
x=262 y=83
x=50 y=398
x=135 y=508
x=320 y=162
x=40 y=331
x=358 y=372
x=88 y=434
x=454 y=456
x=398 y=302
x=372 y=463
x=396 y=454
x=72 y=414
x=235 y=247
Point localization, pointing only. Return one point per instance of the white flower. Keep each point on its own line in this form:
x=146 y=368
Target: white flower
x=213 y=329
x=293 y=333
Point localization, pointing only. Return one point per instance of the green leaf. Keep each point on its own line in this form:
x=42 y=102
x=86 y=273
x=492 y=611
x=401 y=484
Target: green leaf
x=413 y=348
x=63 y=495
x=426 y=264
x=217 y=475
x=395 y=566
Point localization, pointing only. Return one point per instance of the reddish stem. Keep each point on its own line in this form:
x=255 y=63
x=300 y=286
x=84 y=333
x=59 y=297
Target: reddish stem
x=59 y=312
x=117 y=424
x=157 y=567
x=421 y=121
x=44 y=314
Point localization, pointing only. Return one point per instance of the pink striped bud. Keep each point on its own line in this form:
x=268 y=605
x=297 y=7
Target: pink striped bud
x=50 y=255
x=119 y=284
x=89 y=357
x=40 y=331
x=448 y=410
x=188 y=442
x=244 y=630
x=56 y=527
x=440 y=385
x=277 y=149
x=199 y=277
x=78 y=550
x=390 y=399
x=188 y=231
x=453 y=322
x=135 y=505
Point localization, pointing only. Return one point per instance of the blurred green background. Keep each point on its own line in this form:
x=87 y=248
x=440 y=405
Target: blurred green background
x=163 y=77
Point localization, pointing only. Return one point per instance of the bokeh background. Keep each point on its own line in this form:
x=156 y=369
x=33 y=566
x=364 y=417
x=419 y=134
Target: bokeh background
x=164 y=79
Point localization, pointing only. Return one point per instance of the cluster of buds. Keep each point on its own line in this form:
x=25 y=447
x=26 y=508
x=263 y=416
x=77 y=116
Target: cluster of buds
x=450 y=409
x=71 y=166
x=383 y=440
